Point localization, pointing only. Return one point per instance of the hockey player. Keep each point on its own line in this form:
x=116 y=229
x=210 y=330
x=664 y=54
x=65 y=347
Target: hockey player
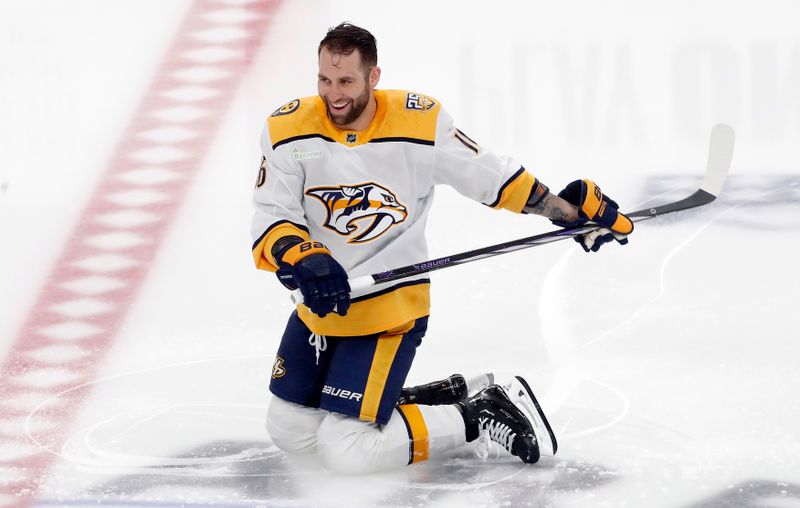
x=344 y=189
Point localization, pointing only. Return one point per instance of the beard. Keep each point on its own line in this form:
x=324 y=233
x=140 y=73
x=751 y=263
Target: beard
x=357 y=106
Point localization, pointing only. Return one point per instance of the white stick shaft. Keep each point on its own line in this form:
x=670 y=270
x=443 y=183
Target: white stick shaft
x=356 y=284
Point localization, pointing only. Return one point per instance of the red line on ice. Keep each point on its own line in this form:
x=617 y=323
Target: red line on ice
x=74 y=320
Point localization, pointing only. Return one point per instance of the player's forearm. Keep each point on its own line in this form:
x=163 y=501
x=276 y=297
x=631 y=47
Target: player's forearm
x=554 y=208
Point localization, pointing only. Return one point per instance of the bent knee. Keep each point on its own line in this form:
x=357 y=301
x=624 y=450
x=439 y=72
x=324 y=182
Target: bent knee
x=292 y=427
x=350 y=446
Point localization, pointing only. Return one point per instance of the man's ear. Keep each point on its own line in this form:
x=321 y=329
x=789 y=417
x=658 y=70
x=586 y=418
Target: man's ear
x=374 y=76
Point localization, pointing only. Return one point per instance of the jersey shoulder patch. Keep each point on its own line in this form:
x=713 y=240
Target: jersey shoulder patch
x=419 y=102
x=288 y=108
x=294 y=119
x=407 y=100
x=412 y=115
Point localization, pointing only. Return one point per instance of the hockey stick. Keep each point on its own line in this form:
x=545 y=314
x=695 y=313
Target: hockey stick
x=720 y=152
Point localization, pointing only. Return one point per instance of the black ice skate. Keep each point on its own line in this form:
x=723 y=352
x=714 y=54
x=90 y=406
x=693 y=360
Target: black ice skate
x=446 y=391
x=511 y=417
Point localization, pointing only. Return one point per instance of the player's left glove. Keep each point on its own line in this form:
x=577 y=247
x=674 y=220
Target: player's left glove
x=595 y=207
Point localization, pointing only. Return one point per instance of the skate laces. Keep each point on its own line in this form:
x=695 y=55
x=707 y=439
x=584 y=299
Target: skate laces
x=320 y=343
x=498 y=432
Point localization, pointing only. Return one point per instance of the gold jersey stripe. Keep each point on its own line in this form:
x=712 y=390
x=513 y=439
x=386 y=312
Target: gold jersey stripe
x=418 y=440
x=372 y=315
x=517 y=192
x=382 y=360
x=262 y=252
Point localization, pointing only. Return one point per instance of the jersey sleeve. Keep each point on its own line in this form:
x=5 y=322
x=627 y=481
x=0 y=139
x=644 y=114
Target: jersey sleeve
x=494 y=180
x=277 y=200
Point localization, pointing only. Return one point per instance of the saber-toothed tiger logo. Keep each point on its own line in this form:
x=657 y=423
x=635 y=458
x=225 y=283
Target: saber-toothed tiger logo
x=363 y=211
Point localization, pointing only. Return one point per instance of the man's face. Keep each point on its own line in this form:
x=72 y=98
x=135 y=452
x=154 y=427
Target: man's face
x=343 y=85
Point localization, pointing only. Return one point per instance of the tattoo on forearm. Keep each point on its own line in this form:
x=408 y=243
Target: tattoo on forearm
x=543 y=207
x=550 y=206
x=537 y=209
x=557 y=214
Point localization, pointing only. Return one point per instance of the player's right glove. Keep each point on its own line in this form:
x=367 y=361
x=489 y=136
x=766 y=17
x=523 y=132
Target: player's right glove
x=600 y=209
x=322 y=280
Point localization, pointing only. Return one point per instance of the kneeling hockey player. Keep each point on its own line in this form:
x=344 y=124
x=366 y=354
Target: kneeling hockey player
x=344 y=189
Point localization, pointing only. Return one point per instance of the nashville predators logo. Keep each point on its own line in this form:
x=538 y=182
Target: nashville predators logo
x=362 y=212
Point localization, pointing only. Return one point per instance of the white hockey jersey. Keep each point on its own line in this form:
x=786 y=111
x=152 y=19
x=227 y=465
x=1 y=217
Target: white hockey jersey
x=366 y=196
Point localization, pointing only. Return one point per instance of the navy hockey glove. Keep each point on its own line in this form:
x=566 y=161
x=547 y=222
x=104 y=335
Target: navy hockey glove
x=322 y=280
x=595 y=207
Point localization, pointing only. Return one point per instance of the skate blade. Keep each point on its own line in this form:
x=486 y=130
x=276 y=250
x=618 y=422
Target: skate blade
x=523 y=396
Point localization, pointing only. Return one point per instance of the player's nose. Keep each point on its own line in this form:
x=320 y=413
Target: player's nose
x=337 y=91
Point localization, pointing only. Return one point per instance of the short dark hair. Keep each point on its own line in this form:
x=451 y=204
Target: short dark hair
x=346 y=38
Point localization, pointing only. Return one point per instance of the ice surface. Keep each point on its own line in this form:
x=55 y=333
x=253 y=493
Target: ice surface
x=668 y=367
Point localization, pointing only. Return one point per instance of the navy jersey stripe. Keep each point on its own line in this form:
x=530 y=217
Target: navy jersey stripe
x=304 y=136
x=467 y=142
x=459 y=131
x=416 y=141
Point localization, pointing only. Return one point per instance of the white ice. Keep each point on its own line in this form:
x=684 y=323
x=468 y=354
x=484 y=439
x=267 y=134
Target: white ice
x=669 y=367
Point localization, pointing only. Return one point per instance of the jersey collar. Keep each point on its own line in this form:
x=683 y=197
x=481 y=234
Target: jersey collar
x=352 y=138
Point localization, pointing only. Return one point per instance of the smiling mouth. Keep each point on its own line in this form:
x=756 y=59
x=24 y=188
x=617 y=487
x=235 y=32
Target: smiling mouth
x=339 y=106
